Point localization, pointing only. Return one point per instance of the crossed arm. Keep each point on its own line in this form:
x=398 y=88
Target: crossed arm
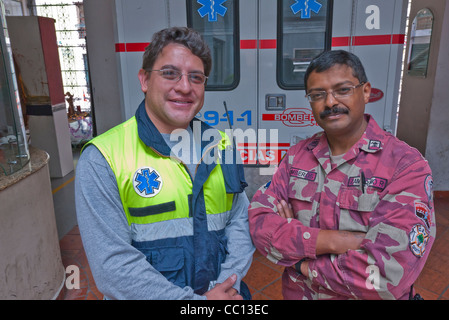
x=328 y=241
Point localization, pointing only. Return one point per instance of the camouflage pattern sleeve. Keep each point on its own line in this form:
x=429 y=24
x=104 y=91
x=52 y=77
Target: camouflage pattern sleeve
x=282 y=241
x=400 y=234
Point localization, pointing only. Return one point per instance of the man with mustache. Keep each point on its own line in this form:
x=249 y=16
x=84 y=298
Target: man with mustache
x=155 y=225
x=349 y=212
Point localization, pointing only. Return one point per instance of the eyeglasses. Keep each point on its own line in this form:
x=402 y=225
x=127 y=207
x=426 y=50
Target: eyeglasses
x=338 y=93
x=176 y=75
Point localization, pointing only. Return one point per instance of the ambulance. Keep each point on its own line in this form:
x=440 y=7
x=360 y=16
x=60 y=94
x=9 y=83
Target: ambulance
x=260 y=51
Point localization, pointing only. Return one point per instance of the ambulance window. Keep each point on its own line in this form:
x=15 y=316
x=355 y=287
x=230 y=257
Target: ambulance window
x=420 y=37
x=220 y=28
x=304 y=31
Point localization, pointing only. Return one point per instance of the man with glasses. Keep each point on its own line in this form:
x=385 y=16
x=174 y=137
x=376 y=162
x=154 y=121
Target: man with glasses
x=349 y=212
x=156 y=224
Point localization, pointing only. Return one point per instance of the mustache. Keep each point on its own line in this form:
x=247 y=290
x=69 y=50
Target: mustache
x=334 y=110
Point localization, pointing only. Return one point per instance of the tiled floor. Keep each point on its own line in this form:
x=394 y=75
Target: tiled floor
x=264 y=278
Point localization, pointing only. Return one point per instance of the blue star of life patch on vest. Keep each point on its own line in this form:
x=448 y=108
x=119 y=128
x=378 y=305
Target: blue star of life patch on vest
x=147 y=182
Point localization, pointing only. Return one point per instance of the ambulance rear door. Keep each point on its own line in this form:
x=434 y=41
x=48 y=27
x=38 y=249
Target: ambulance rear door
x=291 y=33
x=230 y=29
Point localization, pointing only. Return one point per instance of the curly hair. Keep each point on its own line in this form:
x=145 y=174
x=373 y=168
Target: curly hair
x=187 y=37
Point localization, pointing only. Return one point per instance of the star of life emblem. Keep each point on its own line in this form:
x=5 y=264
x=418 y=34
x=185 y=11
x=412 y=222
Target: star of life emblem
x=147 y=182
x=211 y=8
x=305 y=6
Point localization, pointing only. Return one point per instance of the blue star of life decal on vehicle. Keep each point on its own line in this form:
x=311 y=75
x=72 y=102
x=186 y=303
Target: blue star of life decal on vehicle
x=212 y=8
x=147 y=182
x=305 y=6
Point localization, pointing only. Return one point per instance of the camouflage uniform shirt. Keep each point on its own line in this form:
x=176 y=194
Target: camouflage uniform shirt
x=381 y=186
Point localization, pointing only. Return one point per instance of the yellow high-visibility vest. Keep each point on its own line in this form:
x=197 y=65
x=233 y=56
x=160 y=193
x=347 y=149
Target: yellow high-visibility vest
x=153 y=187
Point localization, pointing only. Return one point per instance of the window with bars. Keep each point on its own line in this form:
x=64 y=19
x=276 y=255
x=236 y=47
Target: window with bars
x=71 y=37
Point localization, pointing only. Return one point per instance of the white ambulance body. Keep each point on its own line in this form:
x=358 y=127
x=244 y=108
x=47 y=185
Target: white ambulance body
x=260 y=51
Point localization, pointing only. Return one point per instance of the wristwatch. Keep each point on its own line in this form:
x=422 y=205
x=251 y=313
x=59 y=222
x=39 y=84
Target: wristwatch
x=298 y=266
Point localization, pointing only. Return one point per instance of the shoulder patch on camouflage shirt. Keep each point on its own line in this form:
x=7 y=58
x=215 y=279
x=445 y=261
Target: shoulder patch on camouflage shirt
x=418 y=237
x=423 y=212
x=428 y=187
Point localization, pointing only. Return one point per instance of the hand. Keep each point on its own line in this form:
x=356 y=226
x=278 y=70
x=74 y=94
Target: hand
x=338 y=241
x=285 y=209
x=224 y=290
x=305 y=268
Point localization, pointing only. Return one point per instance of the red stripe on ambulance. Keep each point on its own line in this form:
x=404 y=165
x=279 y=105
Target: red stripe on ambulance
x=272 y=43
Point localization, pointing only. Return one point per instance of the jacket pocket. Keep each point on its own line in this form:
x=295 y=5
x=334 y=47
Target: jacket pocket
x=301 y=195
x=355 y=208
x=169 y=261
x=354 y=199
